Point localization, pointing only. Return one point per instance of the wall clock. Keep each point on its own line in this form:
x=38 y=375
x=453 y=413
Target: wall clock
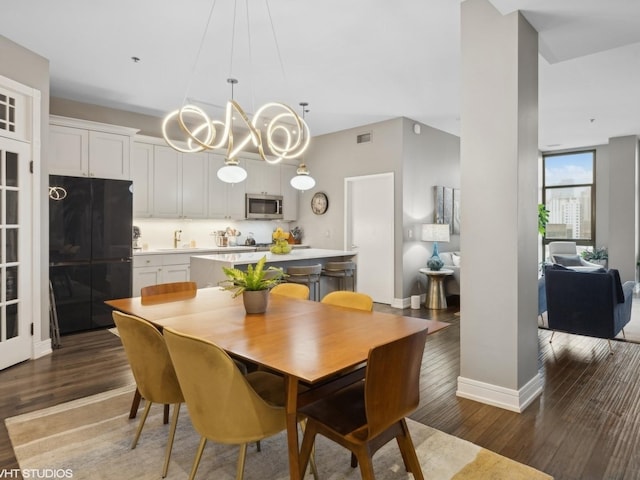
x=319 y=203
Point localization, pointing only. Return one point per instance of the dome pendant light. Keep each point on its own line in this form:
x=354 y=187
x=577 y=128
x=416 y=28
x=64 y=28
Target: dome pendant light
x=231 y=172
x=303 y=180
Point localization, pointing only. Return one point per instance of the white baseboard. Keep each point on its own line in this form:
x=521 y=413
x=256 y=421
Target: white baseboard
x=40 y=349
x=513 y=400
x=406 y=302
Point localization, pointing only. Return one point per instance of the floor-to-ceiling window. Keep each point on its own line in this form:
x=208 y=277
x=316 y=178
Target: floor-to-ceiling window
x=569 y=196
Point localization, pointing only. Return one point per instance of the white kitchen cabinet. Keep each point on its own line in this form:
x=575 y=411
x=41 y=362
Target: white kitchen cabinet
x=262 y=177
x=226 y=200
x=195 y=170
x=147 y=270
x=88 y=149
x=167 y=183
x=289 y=194
x=142 y=176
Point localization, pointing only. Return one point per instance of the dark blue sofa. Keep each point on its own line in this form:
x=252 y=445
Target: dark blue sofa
x=595 y=303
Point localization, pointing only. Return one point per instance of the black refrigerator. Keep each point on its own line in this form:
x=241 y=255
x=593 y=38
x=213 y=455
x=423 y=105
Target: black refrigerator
x=90 y=223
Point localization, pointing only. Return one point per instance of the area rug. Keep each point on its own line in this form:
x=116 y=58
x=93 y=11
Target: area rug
x=90 y=438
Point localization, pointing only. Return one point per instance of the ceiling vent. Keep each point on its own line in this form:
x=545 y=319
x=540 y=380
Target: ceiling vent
x=364 y=138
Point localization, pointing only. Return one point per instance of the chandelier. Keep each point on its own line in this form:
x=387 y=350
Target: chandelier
x=274 y=130
x=303 y=180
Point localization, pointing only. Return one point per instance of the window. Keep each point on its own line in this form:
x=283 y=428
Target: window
x=569 y=195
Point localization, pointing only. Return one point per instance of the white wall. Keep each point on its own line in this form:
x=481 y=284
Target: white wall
x=29 y=69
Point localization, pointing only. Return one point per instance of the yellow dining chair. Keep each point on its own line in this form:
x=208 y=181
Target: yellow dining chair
x=342 y=298
x=367 y=415
x=189 y=289
x=292 y=290
x=153 y=371
x=224 y=405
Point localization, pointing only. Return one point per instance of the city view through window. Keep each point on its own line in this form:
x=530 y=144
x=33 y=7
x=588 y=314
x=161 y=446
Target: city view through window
x=568 y=195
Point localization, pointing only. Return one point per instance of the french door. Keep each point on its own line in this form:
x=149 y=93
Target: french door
x=15 y=252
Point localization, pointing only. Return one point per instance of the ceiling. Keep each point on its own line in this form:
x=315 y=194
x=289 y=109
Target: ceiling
x=354 y=62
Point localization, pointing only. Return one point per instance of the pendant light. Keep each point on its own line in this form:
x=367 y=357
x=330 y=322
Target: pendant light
x=303 y=180
x=231 y=172
x=268 y=131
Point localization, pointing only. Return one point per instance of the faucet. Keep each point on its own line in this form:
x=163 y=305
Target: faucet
x=176 y=238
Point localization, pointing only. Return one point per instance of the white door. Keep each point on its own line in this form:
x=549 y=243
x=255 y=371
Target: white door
x=15 y=252
x=369 y=231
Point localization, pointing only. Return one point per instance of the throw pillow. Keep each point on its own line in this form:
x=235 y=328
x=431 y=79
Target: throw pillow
x=456 y=259
x=568 y=260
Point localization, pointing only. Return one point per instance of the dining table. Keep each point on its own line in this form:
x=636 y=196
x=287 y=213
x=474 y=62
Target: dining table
x=316 y=347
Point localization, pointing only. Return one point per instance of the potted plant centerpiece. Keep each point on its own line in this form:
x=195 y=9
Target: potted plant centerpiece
x=253 y=284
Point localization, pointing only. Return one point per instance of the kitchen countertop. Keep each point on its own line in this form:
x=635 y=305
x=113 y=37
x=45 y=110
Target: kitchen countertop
x=194 y=250
x=206 y=270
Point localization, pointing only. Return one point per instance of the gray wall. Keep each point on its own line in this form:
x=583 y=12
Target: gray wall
x=27 y=68
x=419 y=162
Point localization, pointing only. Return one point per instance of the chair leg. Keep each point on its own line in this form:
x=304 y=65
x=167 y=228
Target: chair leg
x=147 y=407
x=408 y=451
x=552 y=334
x=312 y=456
x=135 y=404
x=610 y=349
x=354 y=460
x=172 y=434
x=196 y=461
x=241 y=459
x=306 y=449
x=165 y=418
x=623 y=335
x=364 y=460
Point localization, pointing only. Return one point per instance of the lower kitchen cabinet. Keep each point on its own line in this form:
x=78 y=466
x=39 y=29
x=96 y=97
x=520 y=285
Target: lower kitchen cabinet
x=153 y=269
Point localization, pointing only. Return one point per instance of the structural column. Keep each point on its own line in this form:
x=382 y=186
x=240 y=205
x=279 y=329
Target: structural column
x=623 y=205
x=499 y=157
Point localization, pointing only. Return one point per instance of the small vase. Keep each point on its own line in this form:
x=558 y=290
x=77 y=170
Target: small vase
x=435 y=264
x=255 y=301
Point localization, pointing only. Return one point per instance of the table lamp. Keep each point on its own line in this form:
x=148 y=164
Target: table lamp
x=435 y=232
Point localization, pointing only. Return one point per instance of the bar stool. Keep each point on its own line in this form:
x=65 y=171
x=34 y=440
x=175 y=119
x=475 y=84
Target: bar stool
x=342 y=271
x=308 y=275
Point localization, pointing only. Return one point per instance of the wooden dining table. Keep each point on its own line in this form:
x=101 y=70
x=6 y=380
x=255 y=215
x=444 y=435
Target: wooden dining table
x=307 y=342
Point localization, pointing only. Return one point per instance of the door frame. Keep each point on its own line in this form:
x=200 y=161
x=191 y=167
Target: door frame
x=348 y=214
x=29 y=131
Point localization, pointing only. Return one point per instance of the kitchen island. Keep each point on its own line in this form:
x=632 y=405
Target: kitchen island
x=206 y=270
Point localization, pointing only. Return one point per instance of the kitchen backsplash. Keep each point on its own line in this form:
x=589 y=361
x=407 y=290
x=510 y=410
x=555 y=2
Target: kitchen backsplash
x=158 y=233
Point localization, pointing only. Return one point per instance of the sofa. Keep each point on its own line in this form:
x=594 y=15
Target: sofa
x=591 y=303
x=451 y=261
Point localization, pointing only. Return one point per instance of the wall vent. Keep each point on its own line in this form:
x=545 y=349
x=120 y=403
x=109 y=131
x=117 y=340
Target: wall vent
x=364 y=138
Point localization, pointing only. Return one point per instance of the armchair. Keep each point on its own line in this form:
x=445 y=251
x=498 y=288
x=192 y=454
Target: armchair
x=566 y=254
x=593 y=303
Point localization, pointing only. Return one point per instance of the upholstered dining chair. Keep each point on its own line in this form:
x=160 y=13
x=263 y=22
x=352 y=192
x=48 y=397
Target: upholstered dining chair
x=188 y=288
x=153 y=371
x=173 y=287
x=292 y=290
x=224 y=405
x=344 y=298
x=367 y=415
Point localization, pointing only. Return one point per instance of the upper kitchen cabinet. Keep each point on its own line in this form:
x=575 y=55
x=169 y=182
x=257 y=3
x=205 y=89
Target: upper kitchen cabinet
x=88 y=149
x=226 y=200
x=263 y=178
x=142 y=176
x=289 y=194
x=167 y=183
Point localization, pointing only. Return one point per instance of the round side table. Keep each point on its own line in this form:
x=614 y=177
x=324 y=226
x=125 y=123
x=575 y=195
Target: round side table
x=436 y=298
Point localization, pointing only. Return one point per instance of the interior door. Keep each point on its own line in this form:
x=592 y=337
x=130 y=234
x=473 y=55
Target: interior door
x=369 y=231
x=15 y=251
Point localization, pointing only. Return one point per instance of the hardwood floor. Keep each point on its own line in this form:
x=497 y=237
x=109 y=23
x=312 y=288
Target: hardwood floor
x=585 y=425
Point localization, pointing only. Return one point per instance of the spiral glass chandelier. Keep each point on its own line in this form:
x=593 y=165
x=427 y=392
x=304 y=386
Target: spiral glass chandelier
x=274 y=130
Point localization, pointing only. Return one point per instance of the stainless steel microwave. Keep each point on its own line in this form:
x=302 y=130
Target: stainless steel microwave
x=265 y=207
